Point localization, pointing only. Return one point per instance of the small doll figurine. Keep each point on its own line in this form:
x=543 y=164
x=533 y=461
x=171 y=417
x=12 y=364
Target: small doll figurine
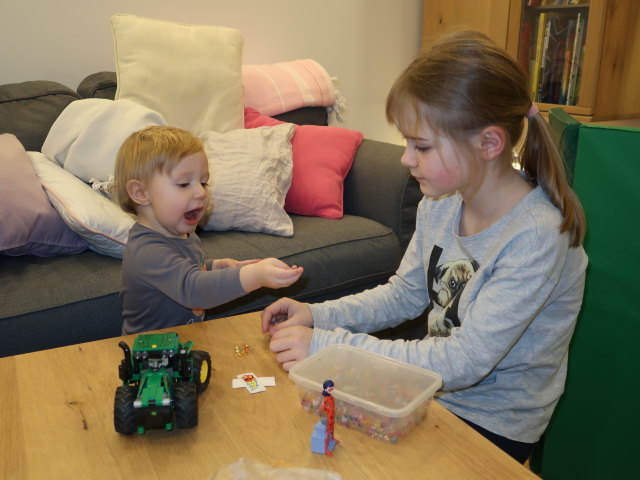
x=328 y=406
x=322 y=439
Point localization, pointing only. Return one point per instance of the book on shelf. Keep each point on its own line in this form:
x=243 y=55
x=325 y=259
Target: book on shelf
x=525 y=48
x=555 y=57
x=534 y=72
x=567 y=56
x=546 y=62
x=576 y=60
x=557 y=31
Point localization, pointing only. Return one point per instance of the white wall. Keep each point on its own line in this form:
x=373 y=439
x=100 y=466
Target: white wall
x=365 y=43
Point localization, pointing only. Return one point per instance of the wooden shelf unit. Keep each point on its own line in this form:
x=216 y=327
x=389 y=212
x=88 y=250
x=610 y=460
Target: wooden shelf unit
x=609 y=83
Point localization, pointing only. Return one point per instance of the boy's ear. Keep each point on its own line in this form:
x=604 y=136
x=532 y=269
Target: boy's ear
x=492 y=142
x=137 y=192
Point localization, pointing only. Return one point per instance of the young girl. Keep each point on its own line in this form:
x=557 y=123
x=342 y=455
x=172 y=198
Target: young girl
x=161 y=175
x=496 y=258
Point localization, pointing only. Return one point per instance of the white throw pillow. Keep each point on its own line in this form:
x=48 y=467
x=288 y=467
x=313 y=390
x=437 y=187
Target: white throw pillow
x=251 y=175
x=87 y=135
x=190 y=74
x=88 y=213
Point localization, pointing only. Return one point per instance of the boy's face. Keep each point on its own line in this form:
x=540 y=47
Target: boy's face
x=177 y=199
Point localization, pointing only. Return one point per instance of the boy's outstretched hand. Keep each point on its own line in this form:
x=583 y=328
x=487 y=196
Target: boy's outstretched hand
x=270 y=272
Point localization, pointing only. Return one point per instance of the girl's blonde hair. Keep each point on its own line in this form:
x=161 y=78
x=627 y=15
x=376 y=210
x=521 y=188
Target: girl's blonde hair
x=152 y=149
x=466 y=83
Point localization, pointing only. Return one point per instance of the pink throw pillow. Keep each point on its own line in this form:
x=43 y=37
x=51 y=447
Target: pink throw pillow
x=29 y=225
x=322 y=157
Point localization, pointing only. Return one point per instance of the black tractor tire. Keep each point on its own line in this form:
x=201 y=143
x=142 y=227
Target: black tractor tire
x=201 y=369
x=124 y=416
x=185 y=401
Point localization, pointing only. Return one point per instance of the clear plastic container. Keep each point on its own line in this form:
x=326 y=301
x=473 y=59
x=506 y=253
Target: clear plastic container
x=380 y=396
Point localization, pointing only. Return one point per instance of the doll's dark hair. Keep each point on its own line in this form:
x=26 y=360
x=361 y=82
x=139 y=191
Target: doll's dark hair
x=325 y=385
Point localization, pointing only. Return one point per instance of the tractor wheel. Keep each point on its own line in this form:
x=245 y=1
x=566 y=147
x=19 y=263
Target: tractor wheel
x=124 y=416
x=185 y=401
x=201 y=369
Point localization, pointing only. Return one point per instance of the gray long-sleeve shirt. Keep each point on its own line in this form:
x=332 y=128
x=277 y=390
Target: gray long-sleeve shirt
x=165 y=284
x=503 y=308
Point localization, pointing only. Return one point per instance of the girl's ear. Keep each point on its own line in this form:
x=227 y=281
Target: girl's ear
x=492 y=142
x=137 y=192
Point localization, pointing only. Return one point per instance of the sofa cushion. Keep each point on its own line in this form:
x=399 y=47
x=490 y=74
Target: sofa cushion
x=190 y=74
x=305 y=116
x=99 y=85
x=250 y=176
x=28 y=109
x=373 y=184
x=336 y=254
x=322 y=157
x=28 y=222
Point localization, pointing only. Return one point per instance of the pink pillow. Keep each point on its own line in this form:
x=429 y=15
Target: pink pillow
x=29 y=225
x=322 y=157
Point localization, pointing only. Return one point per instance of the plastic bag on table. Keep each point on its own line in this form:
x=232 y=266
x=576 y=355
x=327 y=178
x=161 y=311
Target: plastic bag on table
x=247 y=468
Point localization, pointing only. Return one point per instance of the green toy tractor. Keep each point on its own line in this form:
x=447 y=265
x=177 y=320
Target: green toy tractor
x=161 y=379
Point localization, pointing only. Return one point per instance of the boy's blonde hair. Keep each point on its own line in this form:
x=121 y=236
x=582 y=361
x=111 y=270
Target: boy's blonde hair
x=147 y=151
x=466 y=83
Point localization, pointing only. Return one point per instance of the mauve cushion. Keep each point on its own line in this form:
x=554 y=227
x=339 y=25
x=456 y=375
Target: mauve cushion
x=29 y=225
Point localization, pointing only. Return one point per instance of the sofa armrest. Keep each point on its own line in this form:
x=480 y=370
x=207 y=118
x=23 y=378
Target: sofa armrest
x=380 y=188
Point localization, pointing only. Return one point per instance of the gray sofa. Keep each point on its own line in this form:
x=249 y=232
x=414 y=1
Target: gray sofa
x=46 y=302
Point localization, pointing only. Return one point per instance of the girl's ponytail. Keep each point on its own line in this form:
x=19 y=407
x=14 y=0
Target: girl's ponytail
x=543 y=164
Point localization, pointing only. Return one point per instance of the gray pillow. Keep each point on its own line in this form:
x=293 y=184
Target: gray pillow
x=28 y=109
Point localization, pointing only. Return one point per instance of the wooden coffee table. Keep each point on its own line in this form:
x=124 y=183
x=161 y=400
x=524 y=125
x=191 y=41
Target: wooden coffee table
x=56 y=421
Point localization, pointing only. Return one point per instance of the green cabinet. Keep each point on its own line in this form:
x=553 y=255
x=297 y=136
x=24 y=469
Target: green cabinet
x=595 y=431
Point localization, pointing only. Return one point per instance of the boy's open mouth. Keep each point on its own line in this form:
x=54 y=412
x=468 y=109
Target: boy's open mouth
x=192 y=216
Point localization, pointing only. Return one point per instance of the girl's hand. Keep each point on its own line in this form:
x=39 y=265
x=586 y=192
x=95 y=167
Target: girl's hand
x=222 y=263
x=285 y=313
x=270 y=272
x=291 y=345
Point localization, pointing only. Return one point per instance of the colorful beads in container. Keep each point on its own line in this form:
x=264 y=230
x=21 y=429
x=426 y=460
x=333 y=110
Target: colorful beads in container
x=389 y=429
x=380 y=396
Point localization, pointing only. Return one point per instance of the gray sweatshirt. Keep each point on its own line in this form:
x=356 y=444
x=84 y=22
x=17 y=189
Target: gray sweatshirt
x=165 y=284
x=503 y=306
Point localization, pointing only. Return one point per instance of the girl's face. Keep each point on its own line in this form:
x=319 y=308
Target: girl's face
x=179 y=198
x=434 y=162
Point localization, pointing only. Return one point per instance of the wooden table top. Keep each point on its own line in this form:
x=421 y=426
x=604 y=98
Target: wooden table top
x=56 y=421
